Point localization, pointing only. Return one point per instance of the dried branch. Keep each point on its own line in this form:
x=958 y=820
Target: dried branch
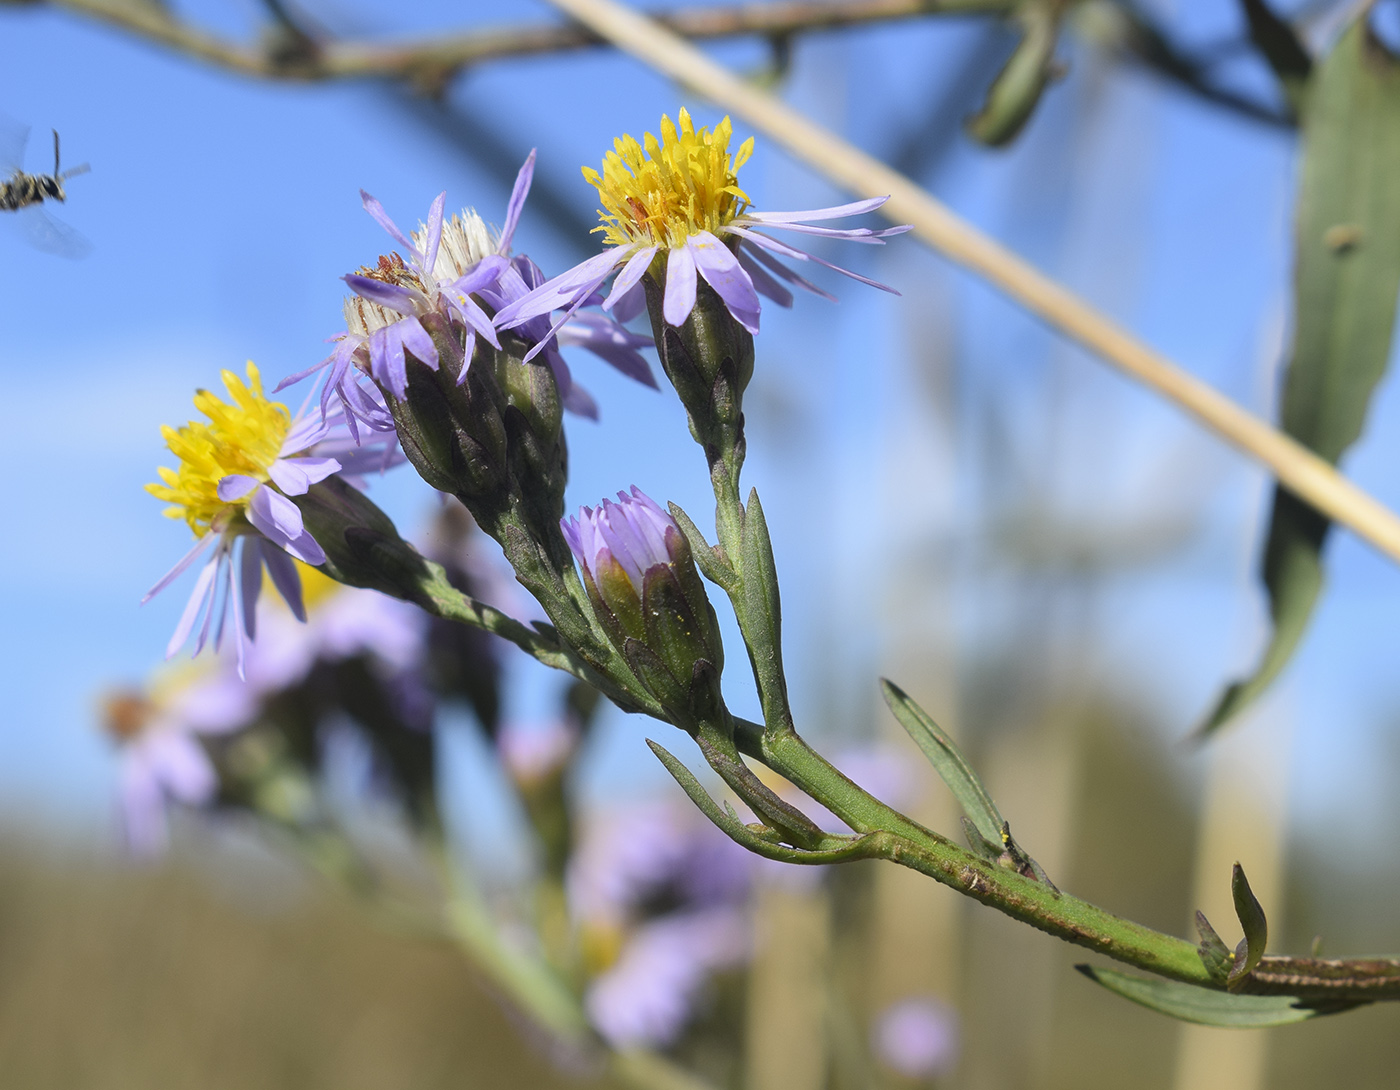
x=430 y=63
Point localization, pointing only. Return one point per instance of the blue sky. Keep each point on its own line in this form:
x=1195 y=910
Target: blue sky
x=223 y=210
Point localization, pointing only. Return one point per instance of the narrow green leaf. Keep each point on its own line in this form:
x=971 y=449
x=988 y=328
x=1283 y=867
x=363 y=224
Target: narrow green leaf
x=1215 y=955
x=1014 y=93
x=1256 y=928
x=952 y=767
x=762 y=617
x=1345 y=282
x=1204 y=1005
x=832 y=848
x=711 y=564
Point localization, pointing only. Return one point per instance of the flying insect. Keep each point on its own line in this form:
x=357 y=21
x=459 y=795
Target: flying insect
x=24 y=194
x=22 y=190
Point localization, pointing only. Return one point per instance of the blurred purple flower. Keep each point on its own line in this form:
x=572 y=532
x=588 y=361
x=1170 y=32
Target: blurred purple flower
x=917 y=1037
x=649 y=995
x=161 y=758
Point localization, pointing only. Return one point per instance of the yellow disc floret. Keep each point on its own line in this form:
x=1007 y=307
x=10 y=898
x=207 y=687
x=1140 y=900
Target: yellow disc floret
x=244 y=437
x=660 y=192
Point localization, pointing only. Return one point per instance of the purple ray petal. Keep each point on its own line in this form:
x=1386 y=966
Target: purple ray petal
x=680 y=286
x=722 y=271
x=434 y=239
x=610 y=342
x=631 y=274
x=774 y=245
x=763 y=283
x=201 y=594
x=580 y=402
x=774 y=265
x=306 y=431
x=211 y=595
x=585 y=277
x=236 y=485
x=305 y=471
x=277 y=517
x=206 y=539
x=399 y=299
x=864 y=235
x=250 y=583
x=286 y=580
x=835 y=212
x=417 y=340
x=468 y=349
x=476 y=318
x=518 y=193
x=292 y=380
x=375 y=209
x=579 y=300
x=630 y=305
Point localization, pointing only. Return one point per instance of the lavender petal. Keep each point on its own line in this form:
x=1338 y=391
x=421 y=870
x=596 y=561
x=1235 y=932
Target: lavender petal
x=518 y=193
x=722 y=271
x=680 y=286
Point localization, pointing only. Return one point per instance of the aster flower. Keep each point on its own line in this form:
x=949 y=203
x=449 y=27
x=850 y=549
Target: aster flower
x=449 y=262
x=235 y=475
x=679 y=196
x=161 y=758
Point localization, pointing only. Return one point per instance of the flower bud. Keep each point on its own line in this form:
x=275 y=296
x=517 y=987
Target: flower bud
x=361 y=543
x=642 y=581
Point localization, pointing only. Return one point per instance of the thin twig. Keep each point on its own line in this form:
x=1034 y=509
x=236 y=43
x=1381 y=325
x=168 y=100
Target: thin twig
x=1297 y=468
x=431 y=62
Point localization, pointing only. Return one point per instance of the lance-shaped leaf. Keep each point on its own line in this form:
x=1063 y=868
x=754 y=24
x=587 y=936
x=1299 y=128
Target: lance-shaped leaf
x=1205 y=1005
x=1256 y=929
x=1215 y=955
x=1346 y=278
x=829 y=848
x=1017 y=88
x=988 y=833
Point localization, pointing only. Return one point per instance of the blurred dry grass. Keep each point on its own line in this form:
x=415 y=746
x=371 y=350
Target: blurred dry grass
x=114 y=977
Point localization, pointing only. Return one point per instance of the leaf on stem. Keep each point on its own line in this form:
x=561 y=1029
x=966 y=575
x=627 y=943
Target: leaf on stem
x=1256 y=929
x=759 y=839
x=709 y=559
x=1215 y=955
x=1345 y=284
x=1205 y=1006
x=988 y=833
x=1017 y=88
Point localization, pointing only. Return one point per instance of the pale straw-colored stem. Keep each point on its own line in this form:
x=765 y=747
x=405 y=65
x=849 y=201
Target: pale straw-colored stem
x=1296 y=467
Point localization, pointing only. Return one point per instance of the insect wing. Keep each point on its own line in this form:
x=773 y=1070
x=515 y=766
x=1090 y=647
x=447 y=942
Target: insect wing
x=13 y=137
x=43 y=232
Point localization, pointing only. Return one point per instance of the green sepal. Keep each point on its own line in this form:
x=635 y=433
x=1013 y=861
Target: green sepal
x=761 y=840
x=1256 y=929
x=361 y=543
x=977 y=842
x=1206 y=1006
x=619 y=599
x=709 y=360
x=1215 y=955
x=652 y=672
x=710 y=559
x=672 y=629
